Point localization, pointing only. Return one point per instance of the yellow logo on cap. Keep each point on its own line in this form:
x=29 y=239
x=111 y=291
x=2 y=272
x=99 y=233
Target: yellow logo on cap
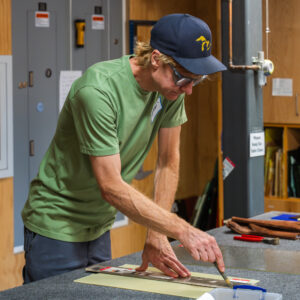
x=205 y=43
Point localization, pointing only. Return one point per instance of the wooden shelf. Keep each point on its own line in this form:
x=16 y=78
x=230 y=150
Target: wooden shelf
x=274 y=198
x=282 y=204
x=289 y=140
x=290 y=199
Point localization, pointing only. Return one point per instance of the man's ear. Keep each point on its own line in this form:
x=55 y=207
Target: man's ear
x=155 y=62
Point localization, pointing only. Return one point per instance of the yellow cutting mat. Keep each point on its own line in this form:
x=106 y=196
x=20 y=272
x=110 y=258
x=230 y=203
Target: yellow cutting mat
x=153 y=286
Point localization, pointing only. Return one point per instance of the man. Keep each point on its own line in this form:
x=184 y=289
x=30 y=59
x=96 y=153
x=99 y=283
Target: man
x=105 y=130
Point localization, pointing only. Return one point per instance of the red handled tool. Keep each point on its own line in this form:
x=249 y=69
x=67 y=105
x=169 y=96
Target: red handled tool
x=256 y=238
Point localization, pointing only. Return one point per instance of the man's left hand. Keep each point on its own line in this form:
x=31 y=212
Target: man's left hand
x=160 y=254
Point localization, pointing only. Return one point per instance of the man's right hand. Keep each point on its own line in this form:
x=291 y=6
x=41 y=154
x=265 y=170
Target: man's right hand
x=160 y=254
x=202 y=246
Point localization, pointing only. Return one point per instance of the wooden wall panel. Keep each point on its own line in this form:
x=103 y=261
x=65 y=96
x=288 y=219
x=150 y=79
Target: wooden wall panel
x=211 y=123
x=6 y=220
x=5 y=25
x=128 y=239
x=155 y=9
x=11 y=271
x=284 y=43
x=10 y=264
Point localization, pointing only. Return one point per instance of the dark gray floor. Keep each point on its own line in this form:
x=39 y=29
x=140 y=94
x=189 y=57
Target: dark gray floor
x=63 y=287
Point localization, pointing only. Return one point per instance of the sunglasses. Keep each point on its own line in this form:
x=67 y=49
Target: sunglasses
x=181 y=80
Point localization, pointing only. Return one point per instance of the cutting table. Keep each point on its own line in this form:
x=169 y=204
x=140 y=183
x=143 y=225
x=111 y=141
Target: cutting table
x=64 y=287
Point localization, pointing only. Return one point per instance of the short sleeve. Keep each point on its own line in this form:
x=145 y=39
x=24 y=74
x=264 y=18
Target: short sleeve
x=95 y=121
x=175 y=113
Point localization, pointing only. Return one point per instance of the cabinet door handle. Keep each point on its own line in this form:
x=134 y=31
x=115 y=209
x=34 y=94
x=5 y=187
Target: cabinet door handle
x=296 y=103
x=31 y=148
x=30 y=83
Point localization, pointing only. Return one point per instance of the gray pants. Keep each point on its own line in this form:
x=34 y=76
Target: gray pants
x=47 y=257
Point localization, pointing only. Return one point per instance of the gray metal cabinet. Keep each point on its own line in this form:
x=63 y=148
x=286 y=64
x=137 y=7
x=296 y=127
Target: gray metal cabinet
x=43 y=36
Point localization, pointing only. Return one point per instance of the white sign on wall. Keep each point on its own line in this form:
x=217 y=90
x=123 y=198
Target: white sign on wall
x=228 y=167
x=282 y=87
x=257 y=144
x=97 y=22
x=42 y=19
x=66 y=78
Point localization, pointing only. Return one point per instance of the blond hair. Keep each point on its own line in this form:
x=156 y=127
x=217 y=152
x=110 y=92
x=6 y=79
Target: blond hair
x=143 y=53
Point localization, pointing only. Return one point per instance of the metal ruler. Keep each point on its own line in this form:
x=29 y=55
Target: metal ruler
x=193 y=280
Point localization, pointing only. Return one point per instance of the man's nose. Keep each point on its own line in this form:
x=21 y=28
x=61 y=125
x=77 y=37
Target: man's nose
x=188 y=88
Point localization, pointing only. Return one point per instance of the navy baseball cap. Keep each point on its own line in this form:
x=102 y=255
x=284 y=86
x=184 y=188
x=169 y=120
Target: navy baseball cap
x=187 y=40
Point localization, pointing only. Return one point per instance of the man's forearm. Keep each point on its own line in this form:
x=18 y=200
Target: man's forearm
x=166 y=174
x=165 y=184
x=167 y=169
x=142 y=210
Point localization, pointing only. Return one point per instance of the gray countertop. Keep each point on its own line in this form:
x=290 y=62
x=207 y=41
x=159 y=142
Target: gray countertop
x=63 y=287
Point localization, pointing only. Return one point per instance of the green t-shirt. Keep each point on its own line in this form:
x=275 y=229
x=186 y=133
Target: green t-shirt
x=106 y=112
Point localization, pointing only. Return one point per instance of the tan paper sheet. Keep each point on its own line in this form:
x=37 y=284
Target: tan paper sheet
x=153 y=286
